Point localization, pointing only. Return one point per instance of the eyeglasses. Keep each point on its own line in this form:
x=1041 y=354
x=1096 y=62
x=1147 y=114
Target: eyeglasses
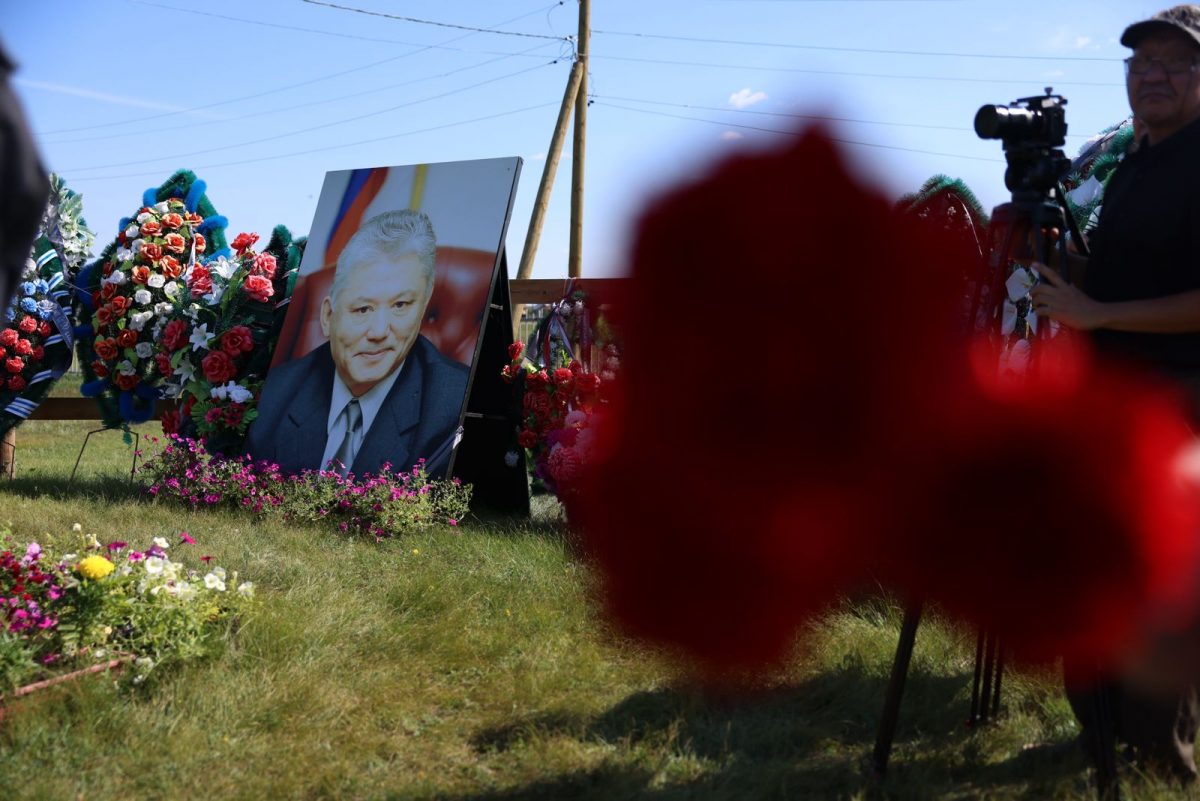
x=1172 y=65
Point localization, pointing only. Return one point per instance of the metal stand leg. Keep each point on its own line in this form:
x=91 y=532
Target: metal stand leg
x=1107 y=786
x=137 y=439
x=980 y=642
x=895 y=690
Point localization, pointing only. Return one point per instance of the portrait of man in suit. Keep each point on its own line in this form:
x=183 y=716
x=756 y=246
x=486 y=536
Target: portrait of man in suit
x=377 y=391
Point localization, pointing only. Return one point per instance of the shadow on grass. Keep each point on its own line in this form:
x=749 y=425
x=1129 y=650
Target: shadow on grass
x=809 y=740
x=58 y=487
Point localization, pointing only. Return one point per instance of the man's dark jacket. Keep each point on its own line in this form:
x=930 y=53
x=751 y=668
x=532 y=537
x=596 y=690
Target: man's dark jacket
x=419 y=415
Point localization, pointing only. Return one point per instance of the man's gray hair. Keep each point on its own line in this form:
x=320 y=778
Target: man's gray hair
x=390 y=236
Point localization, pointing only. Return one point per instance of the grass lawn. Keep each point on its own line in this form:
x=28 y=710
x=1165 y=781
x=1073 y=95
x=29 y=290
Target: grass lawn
x=470 y=663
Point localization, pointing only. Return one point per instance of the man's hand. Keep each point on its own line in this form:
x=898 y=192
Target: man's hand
x=1056 y=299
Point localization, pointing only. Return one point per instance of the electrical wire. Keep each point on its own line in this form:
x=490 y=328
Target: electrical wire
x=851 y=49
x=1037 y=82
x=276 y=137
x=339 y=99
x=327 y=148
x=438 y=24
x=795 y=133
x=289 y=87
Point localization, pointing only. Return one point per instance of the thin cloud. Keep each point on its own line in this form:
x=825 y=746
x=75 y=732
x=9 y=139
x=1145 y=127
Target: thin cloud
x=538 y=156
x=731 y=136
x=744 y=98
x=118 y=100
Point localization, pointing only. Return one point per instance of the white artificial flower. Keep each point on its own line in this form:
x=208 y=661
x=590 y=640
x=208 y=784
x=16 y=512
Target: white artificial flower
x=156 y=331
x=162 y=207
x=154 y=565
x=223 y=267
x=238 y=393
x=137 y=321
x=142 y=297
x=510 y=459
x=246 y=589
x=136 y=245
x=193 y=312
x=185 y=371
x=214 y=297
x=161 y=542
x=145 y=215
x=124 y=254
x=200 y=337
x=162 y=309
x=156 y=281
x=219 y=393
x=131 y=232
x=125 y=367
x=171 y=290
x=1019 y=283
x=116 y=278
x=144 y=350
x=214 y=582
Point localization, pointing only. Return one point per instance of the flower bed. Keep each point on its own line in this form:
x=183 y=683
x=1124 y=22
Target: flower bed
x=378 y=505
x=107 y=603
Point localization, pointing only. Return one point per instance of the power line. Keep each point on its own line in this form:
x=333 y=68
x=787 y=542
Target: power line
x=289 y=87
x=327 y=147
x=795 y=133
x=311 y=129
x=438 y=24
x=794 y=116
x=755 y=67
x=266 y=112
x=851 y=49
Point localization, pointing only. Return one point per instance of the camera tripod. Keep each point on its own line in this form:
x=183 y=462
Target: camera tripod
x=1028 y=229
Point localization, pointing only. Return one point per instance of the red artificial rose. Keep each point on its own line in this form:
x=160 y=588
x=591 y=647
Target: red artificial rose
x=172 y=220
x=106 y=348
x=564 y=379
x=39 y=353
x=170 y=266
x=152 y=251
x=243 y=241
x=527 y=439
x=140 y=274
x=536 y=380
x=827 y=435
x=23 y=348
x=515 y=350
x=16 y=383
x=163 y=361
x=233 y=414
x=127 y=338
x=14 y=364
x=106 y=292
x=218 y=367
x=264 y=264
x=100 y=369
x=175 y=243
x=151 y=228
x=3 y=352
x=126 y=382
x=510 y=372
x=28 y=325
x=193 y=218
x=200 y=282
x=175 y=335
x=259 y=288
x=9 y=337
x=538 y=405
x=237 y=340
x=44 y=328
x=104 y=315
x=188 y=403
x=200 y=242
x=120 y=303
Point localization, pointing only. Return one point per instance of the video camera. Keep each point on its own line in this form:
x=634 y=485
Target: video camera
x=1033 y=130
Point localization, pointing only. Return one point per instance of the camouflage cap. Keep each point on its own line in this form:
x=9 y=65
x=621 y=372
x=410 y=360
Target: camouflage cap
x=1182 y=18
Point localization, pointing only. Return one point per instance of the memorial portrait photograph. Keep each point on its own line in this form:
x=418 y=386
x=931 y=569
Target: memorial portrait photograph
x=373 y=366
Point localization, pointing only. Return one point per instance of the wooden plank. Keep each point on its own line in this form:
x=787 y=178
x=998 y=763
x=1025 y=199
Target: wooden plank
x=550 y=290
x=81 y=409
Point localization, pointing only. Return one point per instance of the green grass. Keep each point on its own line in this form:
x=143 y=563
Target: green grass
x=471 y=663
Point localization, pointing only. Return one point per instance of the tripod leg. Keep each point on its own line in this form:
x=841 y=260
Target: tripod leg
x=1107 y=787
x=895 y=689
x=989 y=658
x=999 y=675
x=980 y=640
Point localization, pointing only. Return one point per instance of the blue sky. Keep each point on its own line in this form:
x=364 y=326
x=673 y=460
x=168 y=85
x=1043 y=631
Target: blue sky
x=262 y=98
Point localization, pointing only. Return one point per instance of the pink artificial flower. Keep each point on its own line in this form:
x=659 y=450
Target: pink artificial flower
x=186 y=538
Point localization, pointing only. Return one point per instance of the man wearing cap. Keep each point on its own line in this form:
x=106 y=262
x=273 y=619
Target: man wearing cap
x=1140 y=303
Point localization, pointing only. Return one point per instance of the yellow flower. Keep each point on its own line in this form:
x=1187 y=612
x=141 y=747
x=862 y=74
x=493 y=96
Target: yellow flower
x=95 y=567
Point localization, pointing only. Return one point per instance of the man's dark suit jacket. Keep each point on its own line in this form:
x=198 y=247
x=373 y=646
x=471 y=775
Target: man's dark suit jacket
x=419 y=415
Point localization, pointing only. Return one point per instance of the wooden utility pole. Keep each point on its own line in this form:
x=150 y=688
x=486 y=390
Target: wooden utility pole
x=543 y=194
x=575 y=259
